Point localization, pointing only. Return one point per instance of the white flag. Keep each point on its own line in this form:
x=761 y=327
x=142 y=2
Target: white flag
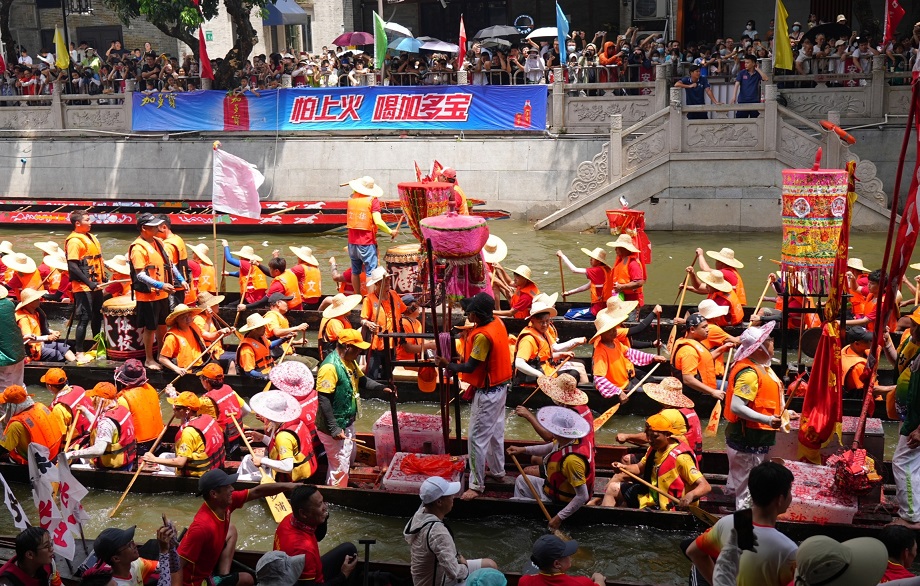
x=235 y=189
x=20 y=521
x=42 y=472
x=71 y=495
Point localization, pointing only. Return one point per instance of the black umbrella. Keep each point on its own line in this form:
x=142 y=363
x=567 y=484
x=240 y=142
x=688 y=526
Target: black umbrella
x=830 y=30
x=498 y=30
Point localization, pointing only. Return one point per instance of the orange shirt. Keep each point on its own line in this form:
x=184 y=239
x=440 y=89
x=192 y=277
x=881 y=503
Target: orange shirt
x=183 y=346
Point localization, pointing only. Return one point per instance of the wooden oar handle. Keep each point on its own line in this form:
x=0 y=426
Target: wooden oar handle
x=641 y=480
x=533 y=490
x=762 y=295
x=140 y=467
x=200 y=356
x=242 y=435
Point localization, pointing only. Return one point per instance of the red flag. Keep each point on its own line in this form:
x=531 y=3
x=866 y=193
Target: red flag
x=206 y=71
x=461 y=54
x=2 y=65
x=418 y=173
x=894 y=12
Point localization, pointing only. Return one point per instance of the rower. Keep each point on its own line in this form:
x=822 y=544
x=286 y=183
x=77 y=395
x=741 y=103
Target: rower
x=523 y=294
x=40 y=340
x=538 y=351
x=206 y=322
x=673 y=470
x=710 y=310
x=251 y=276
x=335 y=319
x=254 y=354
x=285 y=281
x=279 y=328
x=567 y=472
x=382 y=310
x=754 y=408
x=866 y=317
x=311 y=284
x=183 y=344
x=344 y=280
x=290 y=456
x=857 y=284
x=409 y=349
x=24 y=274
x=83 y=255
x=715 y=287
x=178 y=256
x=596 y=273
x=152 y=282
x=627 y=275
x=220 y=402
x=338 y=381
x=678 y=409
x=207 y=277
x=695 y=361
x=113 y=440
x=613 y=359
x=729 y=265
x=28 y=421
x=199 y=443
x=853 y=362
x=55 y=277
x=118 y=265
x=142 y=400
x=296 y=379
x=68 y=402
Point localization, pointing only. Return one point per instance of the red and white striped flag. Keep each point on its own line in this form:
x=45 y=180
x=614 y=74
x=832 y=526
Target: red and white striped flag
x=461 y=54
x=235 y=189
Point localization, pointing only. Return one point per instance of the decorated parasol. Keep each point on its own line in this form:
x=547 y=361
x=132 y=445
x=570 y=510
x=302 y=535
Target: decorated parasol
x=423 y=199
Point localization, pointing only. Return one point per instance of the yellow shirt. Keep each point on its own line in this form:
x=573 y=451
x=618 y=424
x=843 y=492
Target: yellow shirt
x=209 y=408
x=746 y=384
x=16 y=438
x=285 y=447
x=685 y=467
x=276 y=322
x=481 y=348
x=575 y=471
x=191 y=446
x=62 y=415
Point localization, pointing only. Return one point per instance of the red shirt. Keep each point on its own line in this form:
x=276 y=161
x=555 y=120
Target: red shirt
x=542 y=579
x=204 y=541
x=295 y=538
x=597 y=276
x=895 y=572
x=365 y=237
x=635 y=274
x=731 y=275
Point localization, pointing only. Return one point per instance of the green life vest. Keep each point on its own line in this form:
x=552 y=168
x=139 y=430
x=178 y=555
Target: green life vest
x=12 y=350
x=344 y=399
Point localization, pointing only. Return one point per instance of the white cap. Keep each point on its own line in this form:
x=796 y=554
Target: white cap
x=435 y=487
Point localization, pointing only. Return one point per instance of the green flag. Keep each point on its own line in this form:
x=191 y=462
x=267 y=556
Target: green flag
x=380 y=42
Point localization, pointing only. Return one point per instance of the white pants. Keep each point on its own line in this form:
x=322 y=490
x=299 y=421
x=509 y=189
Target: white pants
x=739 y=468
x=487 y=436
x=522 y=491
x=905 y=464
x=12 y=374
x=166 y=470
x=341 y=454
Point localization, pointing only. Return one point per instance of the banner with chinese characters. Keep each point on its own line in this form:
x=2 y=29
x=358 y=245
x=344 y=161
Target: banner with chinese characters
x=465 y=108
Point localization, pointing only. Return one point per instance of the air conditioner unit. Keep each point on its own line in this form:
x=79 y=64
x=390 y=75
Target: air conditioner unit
x=650 y=9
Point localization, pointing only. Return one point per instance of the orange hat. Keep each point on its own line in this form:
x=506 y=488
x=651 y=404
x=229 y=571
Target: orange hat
x=212 y=371
x=915 y=316
x=13 y=395
x=659 y=422
x=350 y=337
x=54 y=376
x=104 y=390
x=186 y=399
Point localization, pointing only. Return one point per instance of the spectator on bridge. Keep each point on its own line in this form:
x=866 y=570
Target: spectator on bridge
x=747 y=86
x=697 y=88
x=534 y=67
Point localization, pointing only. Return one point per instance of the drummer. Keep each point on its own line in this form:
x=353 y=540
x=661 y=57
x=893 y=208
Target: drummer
x=713 y=285
x=289 y=439
x=113 y=441
x=729 y=265
x=382 y=310
x=183 y=346
x=596 y=273
x=24 y=274
x=206 y=322
x=538 y=350
x=279 y=328
x=522 y=297
x=335 y=319
x=462 y=206
x=627 y=275
x=220 y=401
x=41 y=341
x=118 y=265
x=199 y=443
x=68 y=402
x=613 y=360
x=311 y=287
x=254 y=354
x=251 y=276
x=207 y=277
x=137 y=396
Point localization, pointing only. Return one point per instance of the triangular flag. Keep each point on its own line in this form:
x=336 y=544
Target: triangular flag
x=380 y=41
x=782 y=50
x=42 y=472
x=461 y=53
x=60 y=48
x=71 y=495
x=235 y=187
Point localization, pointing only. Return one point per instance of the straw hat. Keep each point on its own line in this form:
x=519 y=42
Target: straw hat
x=752 y=339
x=206 y=300
x=524 y=271
x=466 y=325
x=6 y=247
x=254 y=321
x=563 y=389
x=726 y=256
x=3 y=292
x=180 y=310
x=19 y=262
x=376 y=276
x=294 y=378
x=341 y=304
x=495 y=249
x=710 y=309
x=543 y=303
x=201 y=251
x=613 y=315
x=598 y=254
x=915 y=266
x=365 y=186
x=304 y=253
x=670 y=392
x=715 y=279
x=563 y=422
x=276 y=406
x=857 y=265
x=50 y=248
x=855 y=562
x=248 y=253
x=118 y=264
x=27 y=296
x=624 y=241
x=55 y=262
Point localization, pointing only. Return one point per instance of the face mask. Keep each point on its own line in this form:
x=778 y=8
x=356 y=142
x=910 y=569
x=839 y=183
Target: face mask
x=570 y=48
x=723 y=52
x=654 y=59
x=795 y=29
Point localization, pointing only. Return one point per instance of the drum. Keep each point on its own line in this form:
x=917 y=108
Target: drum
x=402 y=263
x=423 y=200
x=458 y=240
x=123 y=334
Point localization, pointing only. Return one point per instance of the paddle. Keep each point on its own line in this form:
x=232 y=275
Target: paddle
x=277 y=504
x=140 y=466
x=268 y=385
x=552 y=374
x=200 y=356
x=683 y=293
x=658 y=334
x=602 y=419
x=762 y=295
x=73 y=426
x=716 y=415
x=562 y=278
x=536 y=496
x=704 y=516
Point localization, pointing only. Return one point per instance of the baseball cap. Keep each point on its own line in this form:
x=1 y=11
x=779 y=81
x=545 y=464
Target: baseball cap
x=915 y=316
x=659 y=422
x=859 y=334
x=149 y=220
x=823 y=561
x=186 y=399
x=103 y=390
x=54 y=376
x=212 y=371
x=549 y=548
x=111 y=540
x=841 y=17
x=408 y=298
x=351 y=337
x=435 y=487
x=276 y=297
x=214 y=479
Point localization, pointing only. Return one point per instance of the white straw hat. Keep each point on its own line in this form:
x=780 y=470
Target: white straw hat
x=624 y=241
x=201 y=251
x=524 y=271
x=341 y=304
x=726 y=256
x=27 y=296
x=710 y=309
x=253 y=322
x=563 y=422
x=495 y=249
x=304 y=253
x=248 y=253
x=276 y=406
x=543 y=303
x=19 y=262
x=715 y=279
x=118 y=264
x=366 y=186
x=55 y=262
x=598 y=254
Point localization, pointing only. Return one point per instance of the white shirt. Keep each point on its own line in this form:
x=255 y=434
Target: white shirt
x=775 y=553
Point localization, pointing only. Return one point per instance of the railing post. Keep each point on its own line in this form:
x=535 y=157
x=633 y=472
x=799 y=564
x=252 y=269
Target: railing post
x=675 y=122
x=661 y=87
x=771 y=121
x=205 y=83
x=558 y=101
x=370 y=79
x=128 y=105
x=463 y=77
x=833 y=146
x=615 y=148
x=57 y=106
x=877 y=87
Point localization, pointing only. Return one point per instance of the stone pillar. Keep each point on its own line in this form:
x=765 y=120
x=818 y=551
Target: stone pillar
x=876 y=88
x=615 y=149
x=57 y=106
x=206 y=83
x=128 y=102
x=463 y=77
x=558 y=124
x=771 y=121
x=676 y=122
x=370 y=78
x=766 y=65
x=834 y=149
x=661 y=87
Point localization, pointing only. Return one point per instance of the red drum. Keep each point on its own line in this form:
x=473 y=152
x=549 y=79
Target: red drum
x=403 y=263
x=423 y=200
x=123 y=334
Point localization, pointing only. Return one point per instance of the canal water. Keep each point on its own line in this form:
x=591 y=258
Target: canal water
x=634 y=553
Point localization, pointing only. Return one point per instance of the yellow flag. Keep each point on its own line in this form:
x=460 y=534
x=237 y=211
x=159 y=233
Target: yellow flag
x=782 y=50
x=62 y=55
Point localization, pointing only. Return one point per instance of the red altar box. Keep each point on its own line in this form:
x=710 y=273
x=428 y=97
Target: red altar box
x=815 y=499
x=787 y=444
x=418 y=433
x=398 y=481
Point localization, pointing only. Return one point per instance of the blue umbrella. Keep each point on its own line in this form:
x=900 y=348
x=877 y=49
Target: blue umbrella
x=407 y=44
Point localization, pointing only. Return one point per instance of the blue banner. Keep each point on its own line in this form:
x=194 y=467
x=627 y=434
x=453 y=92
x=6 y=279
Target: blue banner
x=520 y=108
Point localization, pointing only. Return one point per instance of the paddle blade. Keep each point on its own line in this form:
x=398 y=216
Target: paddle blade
x=704 y=516
x=713 y=426
x=603 y=417
x=278 y=504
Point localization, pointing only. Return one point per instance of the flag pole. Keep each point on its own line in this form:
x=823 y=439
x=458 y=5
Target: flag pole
x=216 y=145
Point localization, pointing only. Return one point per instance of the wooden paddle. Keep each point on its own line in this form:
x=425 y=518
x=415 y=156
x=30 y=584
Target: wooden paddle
x=562 y=278
x=704 y=516
x=200 y=356
x=658 y=335
x=277 y=504
x=537 y=497
x=268 y=385
x=552 y=374
x=713 y=426
x=762 y=295
x=602 y=419
x=140 y=466
x=73 y=427
x=673 y=335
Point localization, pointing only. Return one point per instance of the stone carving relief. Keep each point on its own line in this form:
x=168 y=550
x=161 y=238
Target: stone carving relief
x=585 y=112
x=108 y=118
x=644 y=149
x=590 y=175
x=898 y=100
x=798 y=146
x=868 y=185
x=28 y=118
x=722 y=135
x=816 y=104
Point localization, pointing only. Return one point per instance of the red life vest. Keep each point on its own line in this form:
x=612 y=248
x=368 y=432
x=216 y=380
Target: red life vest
x=226 y=404
x=305 y=459
x=585 y=412
x=126 y=444
x=654 y=474
x=213 y=437
x=694 y=431
x=72 y=400
x=557 y=486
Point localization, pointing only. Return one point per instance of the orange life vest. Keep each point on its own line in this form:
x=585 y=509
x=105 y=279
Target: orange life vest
x=40 y=429
x=326 y=341
x=735 y=313
x=187 y=352
x=253 y=280
x=91 y=260
x=311 y=286
x=358 y=215
x=305 y=461
x=72 y=400
x=532 y=290
x=213 y=437
x=207 y=280
x=496 y=369
x=29 y=324
x=619 y=275
x=387 y=315
x=408 y=325
x=261 y=349
x=848 y=360
x=739 y=288
x=155 y=267
x=144 y=404
x=291 y=288
x=706 y=369
x=768 y=400
x=694 y=431
x=225 y=405
x=123 y=449
x=597 y=289
x=619 y=369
